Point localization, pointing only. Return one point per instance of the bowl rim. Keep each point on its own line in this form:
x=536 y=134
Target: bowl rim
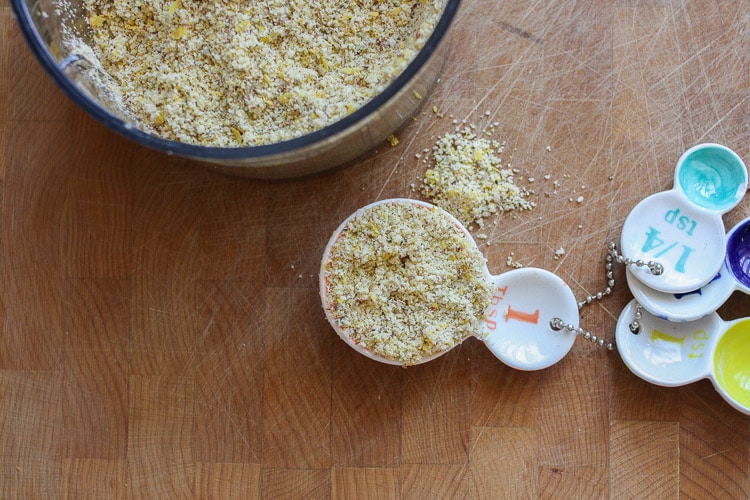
x=54 y=70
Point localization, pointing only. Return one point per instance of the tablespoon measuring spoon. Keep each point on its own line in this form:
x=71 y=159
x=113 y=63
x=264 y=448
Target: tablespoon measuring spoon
x=734 y=275
x=673 y=354
x=682 y=228
x=517 y=323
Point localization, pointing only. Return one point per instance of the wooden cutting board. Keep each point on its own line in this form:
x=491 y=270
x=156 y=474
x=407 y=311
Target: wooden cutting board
x=162 y=334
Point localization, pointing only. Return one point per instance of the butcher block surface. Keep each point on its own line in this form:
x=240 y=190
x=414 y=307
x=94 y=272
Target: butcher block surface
x=161 y=330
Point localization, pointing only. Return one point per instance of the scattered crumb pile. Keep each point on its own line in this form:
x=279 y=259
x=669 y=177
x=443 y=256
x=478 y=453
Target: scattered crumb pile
x=468 y=179
x=232 y=72
x=405 y=282
x=511 y=261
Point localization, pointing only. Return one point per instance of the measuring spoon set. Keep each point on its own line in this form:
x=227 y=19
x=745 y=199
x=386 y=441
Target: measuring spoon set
x=681 y=339
x=677 y=337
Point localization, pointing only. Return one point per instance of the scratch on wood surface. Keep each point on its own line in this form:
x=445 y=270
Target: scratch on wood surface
x=710 y=409
x=720 y=452
x=519 y=32
x=396 y=167
x=721 y=119
x=667 y=75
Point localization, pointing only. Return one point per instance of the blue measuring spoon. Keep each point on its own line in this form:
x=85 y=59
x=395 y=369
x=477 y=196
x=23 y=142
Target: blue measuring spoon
x=734 y=275
x=682 y=228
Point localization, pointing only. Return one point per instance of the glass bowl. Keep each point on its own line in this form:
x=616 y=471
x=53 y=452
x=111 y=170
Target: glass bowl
x=43 y=23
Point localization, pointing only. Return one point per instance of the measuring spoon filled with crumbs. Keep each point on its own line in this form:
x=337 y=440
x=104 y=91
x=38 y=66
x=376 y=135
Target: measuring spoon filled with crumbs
x=403 y=282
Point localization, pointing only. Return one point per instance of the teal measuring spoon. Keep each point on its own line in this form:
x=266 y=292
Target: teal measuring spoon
x=682 y=228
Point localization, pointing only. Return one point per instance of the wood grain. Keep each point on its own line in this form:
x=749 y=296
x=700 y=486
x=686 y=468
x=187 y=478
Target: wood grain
x=649 y=453
x=161 y=334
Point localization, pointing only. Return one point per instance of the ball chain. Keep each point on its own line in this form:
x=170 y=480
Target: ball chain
x=613 y=256
x=635 y=325
x=557 y=324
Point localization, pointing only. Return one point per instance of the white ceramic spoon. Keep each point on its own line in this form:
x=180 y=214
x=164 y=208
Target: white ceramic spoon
x=672 y=354
x=516 y=327
x=734 y=275
x=682 y=228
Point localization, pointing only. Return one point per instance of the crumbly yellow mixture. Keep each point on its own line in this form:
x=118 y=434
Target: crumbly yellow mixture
x=468 y=179
x=250 y=72
x=405 y=282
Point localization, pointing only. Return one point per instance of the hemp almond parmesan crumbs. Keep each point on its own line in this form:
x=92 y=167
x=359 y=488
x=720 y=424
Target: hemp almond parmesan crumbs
x=468 y=179
x=404 y=282
x=231 y=73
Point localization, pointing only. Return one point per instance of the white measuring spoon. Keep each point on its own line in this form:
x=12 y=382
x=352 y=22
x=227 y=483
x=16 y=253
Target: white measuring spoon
x=516 y=327
x=682 y=228
x=734 y=275
x=673 y=354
